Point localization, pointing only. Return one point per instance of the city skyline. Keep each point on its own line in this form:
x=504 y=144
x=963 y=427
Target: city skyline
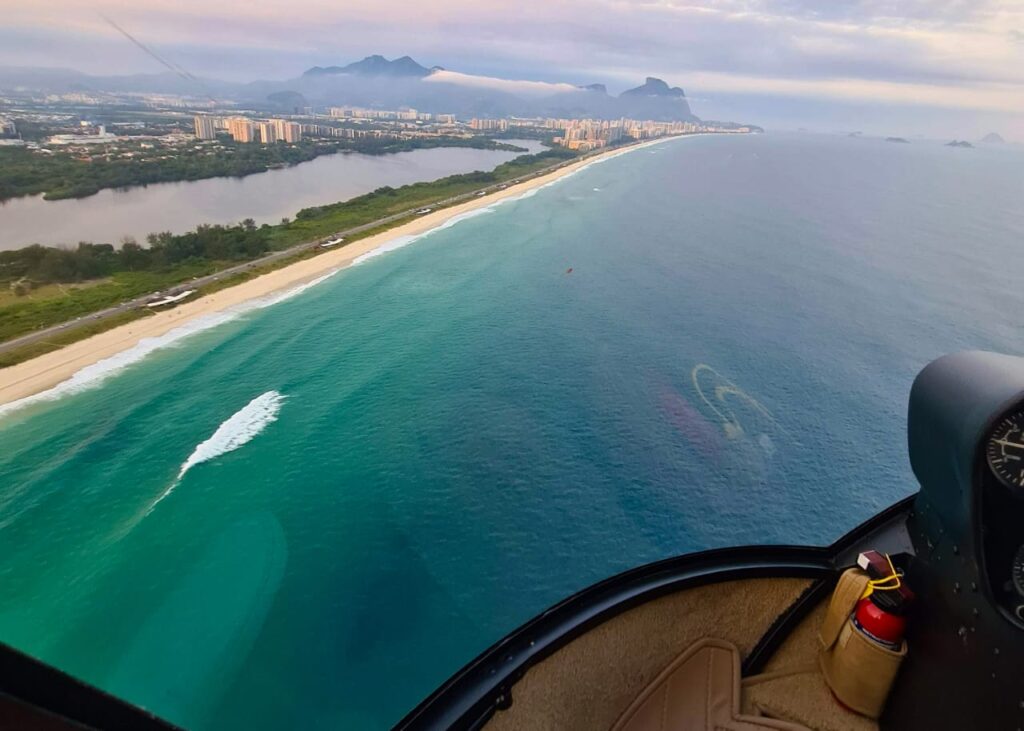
x=921 y=68
x=579 y=134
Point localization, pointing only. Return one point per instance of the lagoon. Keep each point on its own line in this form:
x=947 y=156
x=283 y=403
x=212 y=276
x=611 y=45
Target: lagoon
x=111 y=215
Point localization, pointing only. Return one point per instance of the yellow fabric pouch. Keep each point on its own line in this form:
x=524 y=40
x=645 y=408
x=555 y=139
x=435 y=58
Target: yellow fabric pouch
x=859 y=672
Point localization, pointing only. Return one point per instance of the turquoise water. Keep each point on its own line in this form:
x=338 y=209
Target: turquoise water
x=312 y=514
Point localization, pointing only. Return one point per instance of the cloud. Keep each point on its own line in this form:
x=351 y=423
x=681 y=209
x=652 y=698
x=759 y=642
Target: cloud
x=990 y=97
x=520 y=88
x=929 y=53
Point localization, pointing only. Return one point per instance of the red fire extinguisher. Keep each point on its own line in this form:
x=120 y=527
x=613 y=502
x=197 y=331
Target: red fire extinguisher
x=880 y=613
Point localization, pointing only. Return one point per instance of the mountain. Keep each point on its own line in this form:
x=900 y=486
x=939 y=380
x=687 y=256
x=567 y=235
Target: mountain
x=654 y=87
x=655 y=99
x=375 y=65
x=288 y=101
x=959 y=143
x=378 y=83
x=993 y=138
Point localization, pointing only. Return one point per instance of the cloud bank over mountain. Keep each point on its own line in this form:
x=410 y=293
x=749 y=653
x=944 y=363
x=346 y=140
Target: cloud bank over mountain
x=377 y=82
x=872 y=59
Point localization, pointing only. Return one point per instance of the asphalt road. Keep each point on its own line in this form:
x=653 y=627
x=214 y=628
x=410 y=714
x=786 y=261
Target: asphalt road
x=200 y=282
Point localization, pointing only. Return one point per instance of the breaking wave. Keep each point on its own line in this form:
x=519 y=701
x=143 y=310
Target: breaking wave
x=400 y=242
x=93 y=375
x=403 y=241
x=237 y=431
x=243 y=426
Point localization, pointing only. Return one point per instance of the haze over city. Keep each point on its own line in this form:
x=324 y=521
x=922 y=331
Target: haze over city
x=948 y=69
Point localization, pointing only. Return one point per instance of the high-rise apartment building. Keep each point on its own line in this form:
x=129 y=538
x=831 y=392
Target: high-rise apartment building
x=206 y=128
x=241 y=129
x=280 y=128
x=288 y=131
x=489 y=124
x=268 y=133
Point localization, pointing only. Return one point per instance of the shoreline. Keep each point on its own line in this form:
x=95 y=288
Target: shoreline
x=26 y=382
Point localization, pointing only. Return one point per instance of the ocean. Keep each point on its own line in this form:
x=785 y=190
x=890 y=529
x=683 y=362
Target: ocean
x=310 y=513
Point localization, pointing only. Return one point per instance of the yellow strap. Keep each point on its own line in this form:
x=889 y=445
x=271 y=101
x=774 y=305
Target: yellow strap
x=886 y=583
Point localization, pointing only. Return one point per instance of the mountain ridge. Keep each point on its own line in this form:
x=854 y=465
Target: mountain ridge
x=378 y=83
x=375 y=65
x=654 y=86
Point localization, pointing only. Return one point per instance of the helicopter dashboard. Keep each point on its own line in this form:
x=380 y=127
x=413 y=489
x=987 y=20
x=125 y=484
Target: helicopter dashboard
x=1001 y=512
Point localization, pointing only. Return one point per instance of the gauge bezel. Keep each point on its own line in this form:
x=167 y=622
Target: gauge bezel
x=1017 y=572
x=1009 y=418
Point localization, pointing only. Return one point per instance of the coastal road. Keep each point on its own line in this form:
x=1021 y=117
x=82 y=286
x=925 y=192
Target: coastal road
x=200 y=282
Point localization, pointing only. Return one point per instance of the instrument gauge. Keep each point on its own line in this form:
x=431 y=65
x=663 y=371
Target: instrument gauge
x=1005 y=450
x=1017 y=571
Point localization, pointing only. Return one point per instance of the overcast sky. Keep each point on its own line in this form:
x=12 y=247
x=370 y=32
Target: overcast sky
x=940 y=67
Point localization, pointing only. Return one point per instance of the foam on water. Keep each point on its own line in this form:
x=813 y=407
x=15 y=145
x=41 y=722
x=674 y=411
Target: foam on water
x=95 y=374
x=462 y=430
x=403 y=241
x=237 y=431
x=284 y=294
x=400 y=242
x=243 y=426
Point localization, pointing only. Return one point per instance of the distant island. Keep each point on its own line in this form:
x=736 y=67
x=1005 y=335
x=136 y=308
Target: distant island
x=993 y=138
x=896 y=139
x=959 y=143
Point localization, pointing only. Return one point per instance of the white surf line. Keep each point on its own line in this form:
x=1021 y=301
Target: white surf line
x=95 y=374
x=402 y=241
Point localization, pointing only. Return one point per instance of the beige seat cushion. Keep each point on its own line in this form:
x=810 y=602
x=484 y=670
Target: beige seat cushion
x=801 y=695
x=698 y=691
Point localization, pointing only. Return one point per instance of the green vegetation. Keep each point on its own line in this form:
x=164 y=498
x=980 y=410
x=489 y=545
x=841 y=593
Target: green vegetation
x=311 y=223
x=34 y=311
x=72 y=174
x=45 y=286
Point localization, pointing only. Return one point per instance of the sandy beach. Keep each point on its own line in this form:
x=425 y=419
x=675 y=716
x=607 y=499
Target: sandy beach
x=51 y=369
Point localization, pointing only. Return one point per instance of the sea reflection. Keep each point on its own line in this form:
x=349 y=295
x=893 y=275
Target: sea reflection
x=724 y=424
